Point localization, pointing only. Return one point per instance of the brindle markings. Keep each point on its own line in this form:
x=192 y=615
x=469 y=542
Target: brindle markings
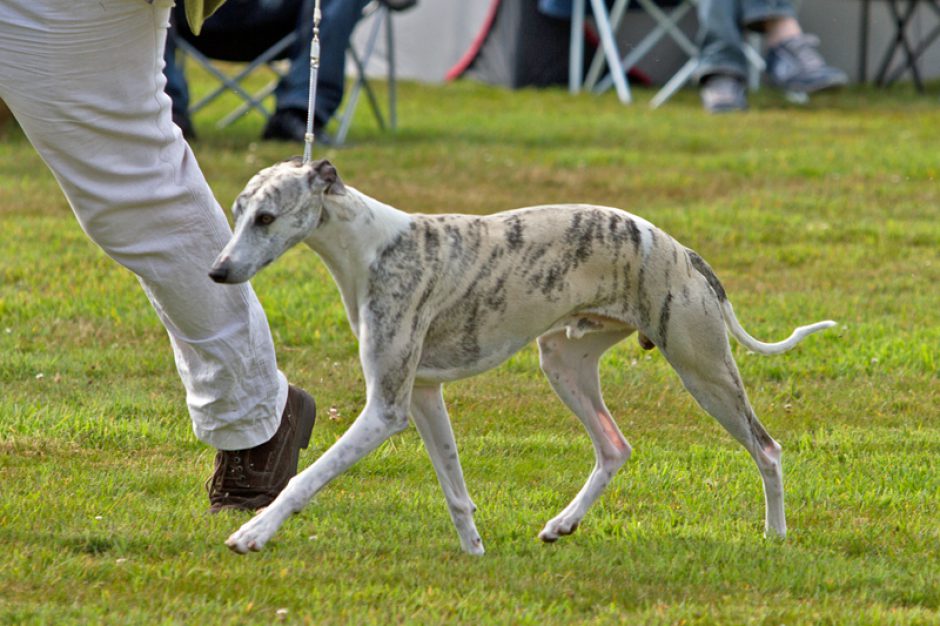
x=584 y=231
x=469 y=339
x=634 y=235
x=514 y=234
x=585 y=324
x=394 y=276
x=643 y=303
x=432 y=242
x=495 y=300
x=705 y=270
x=455 y=240
x=393 y=381
x=664 y=313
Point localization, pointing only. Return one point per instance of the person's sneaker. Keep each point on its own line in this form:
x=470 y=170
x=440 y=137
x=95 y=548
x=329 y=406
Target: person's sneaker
x=722 y=93
x=251 y=479
x=796 y=65
x=291 y=125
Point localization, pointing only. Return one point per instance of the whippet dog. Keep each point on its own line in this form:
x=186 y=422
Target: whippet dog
x=436 y=298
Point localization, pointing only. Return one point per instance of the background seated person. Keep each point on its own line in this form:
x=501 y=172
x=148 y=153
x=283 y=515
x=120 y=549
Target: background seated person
x=242 y=29
x=793 y=62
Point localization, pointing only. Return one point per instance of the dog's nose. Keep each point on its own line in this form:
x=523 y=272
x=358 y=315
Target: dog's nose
x=219 y=273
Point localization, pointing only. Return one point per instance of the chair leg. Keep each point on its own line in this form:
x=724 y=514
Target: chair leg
x=597 y=63
x=382 y=17
x=576 y=47
x=665 y=24
x=392 y=84
x=675 y=83
x=611 y=51
x=901 y=20
x=914 y=54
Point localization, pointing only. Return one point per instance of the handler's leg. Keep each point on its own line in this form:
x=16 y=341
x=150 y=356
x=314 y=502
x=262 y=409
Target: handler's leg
x=85 y=81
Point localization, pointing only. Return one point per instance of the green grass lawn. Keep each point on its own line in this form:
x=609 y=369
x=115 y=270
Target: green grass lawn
x=831 y=210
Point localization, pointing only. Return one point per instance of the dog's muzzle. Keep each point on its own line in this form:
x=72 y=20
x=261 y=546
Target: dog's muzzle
x=219 y=272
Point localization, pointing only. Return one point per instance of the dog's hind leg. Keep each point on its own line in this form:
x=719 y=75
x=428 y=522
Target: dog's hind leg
x=431 y=419
x=571 y=367
x=698 y=349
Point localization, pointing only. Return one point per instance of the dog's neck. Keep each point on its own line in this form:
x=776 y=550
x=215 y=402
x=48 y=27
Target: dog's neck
x=353 y=229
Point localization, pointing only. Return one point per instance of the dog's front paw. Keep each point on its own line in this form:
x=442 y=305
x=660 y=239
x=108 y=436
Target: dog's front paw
x=252 y=536
x=556 y=528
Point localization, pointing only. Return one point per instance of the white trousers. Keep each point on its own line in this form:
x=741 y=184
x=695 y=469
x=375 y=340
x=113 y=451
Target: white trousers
x=84 y=79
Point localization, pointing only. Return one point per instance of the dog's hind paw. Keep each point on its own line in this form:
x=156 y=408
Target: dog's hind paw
x=474 y=547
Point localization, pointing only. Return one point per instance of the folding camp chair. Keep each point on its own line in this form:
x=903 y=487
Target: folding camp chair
x=608 y=23
x=260 y=46
x=902 y=17
x=377 y=18
x=756 y=66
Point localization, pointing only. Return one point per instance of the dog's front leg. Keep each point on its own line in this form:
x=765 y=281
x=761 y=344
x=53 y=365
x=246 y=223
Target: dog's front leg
x=430 y=417
x=375 y=424
x=388 y=363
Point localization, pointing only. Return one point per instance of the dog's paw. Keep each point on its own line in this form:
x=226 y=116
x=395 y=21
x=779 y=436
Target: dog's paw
x=474 y=547
x=252 y=536
x=558 y=528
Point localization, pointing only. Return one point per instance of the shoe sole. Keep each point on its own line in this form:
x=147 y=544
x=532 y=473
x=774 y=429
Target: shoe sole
x=811 y=88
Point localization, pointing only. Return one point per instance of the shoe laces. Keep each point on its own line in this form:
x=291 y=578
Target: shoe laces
x=229 y=472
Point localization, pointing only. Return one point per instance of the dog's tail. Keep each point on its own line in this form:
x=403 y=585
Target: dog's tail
x=731 y=320
x=755 y=345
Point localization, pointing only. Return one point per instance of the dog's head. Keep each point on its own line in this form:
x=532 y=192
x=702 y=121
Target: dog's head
x=280 y=206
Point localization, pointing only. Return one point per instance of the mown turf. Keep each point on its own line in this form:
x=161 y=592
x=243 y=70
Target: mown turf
x=826 y=211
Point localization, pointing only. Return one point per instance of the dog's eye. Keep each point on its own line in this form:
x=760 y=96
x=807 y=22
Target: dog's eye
x=264 y=219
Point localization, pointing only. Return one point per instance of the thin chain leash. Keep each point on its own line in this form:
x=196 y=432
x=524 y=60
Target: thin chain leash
x=314 y=70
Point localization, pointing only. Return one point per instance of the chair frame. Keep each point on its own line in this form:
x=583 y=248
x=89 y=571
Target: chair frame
x=250 y=101
x=608 y=23
x=902 y=17
x=381 y=22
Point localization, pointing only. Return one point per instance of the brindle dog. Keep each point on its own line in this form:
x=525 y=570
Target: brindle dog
x=436 y=298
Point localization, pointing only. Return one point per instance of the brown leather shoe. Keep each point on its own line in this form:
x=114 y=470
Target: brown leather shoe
x=251 y=479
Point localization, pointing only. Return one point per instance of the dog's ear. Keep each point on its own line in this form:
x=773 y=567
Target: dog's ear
x=327 y=176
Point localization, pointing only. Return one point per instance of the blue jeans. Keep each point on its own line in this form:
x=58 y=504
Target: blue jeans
x=721 y=27
x=557 y=8
x=238 y=19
